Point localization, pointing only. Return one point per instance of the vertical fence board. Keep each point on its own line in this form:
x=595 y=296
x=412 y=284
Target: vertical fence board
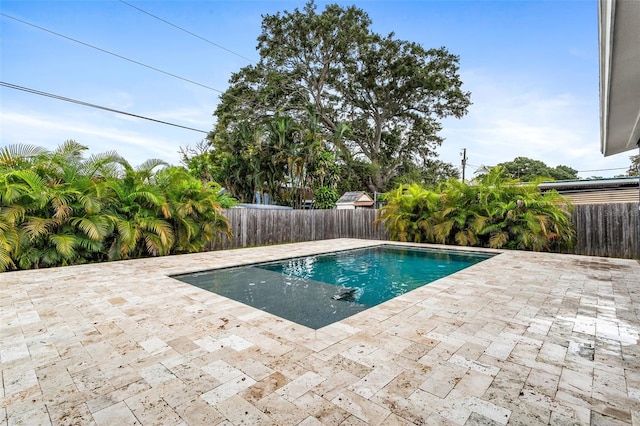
x=610 y=230
x=253 y=227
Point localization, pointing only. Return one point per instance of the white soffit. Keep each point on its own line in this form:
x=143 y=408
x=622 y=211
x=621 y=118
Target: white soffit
x=619 y=43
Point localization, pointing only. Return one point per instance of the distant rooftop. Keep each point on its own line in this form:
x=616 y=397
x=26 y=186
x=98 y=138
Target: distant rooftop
x=591 y=183
x=354 y=196
x=596 y=191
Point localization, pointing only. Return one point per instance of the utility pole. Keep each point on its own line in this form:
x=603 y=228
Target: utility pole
x=464 y=161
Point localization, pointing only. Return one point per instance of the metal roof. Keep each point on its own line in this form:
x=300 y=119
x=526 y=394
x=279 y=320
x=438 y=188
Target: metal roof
x=354 y=196
x=591 y=183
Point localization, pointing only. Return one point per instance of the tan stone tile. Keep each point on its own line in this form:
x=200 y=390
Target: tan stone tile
x=279 y=410
x=31 y=416
x=264 y=387
x=471 y=351
x=438 y=420
x=353 y=367
x=182 y=344
x=239 y=411
x=416 y=351
x=353 y=421
x=116 y=414
x=489 y=410
x=404 y=384
x=70 y=413
x=608 y=386
x=67 y=394
x=375 y=380
x=543 y=382
x=419 y=407
x=197 y=412
x=477 y=366
x=103 y=401
x=474 y=383
x=149 y=408
x=252 y=368
x=500 y=350
x=228 y=389
x=567 y=407
x=300 y=385
x=17 y=379
x=361 y=408
x=176 y=392
x=121 y=375
x=335 y=384
x=156 y=374
x=13 y=353
x=394 y=420
x=332 y=350
x=81 y=362
x=42 y=353
x=577 y=382
x=602 y=419
x=526 y=415
x=552 y=353
x=321 y=409
x=310 y=421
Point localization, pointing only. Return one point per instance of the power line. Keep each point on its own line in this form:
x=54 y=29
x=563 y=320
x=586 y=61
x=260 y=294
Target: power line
x=111 y=53
x=602 y=170
x=187 y=31
x=75 y=101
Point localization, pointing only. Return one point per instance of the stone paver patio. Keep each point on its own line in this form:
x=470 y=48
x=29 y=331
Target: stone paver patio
x=522 y=338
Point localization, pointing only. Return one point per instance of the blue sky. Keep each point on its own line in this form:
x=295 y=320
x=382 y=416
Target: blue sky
x=531 y=66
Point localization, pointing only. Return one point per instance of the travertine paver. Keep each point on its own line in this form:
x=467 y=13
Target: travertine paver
x=520 y=339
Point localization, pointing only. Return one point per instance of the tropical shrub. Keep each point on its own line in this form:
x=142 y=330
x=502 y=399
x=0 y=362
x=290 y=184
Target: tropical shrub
x=497 y=212
x=58 y=208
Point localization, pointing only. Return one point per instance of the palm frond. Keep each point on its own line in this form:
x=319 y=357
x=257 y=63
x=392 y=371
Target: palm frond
x=36 y=227
x=94 y=227
x=11 y=155
x=65 y=244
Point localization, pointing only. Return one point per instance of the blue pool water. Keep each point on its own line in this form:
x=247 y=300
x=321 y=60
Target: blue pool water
x=318 y=290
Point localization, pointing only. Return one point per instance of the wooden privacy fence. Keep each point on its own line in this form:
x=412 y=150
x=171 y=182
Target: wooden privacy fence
x=610 y=230
x=255 y=227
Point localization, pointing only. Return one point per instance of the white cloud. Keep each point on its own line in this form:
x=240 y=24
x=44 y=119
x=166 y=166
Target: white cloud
x=510 y=118
x=98 y=134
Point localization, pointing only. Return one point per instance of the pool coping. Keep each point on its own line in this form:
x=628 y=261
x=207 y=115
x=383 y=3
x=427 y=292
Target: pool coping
x=382 y=245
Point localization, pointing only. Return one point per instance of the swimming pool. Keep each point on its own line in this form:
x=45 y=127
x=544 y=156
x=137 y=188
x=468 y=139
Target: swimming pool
x=316 y=291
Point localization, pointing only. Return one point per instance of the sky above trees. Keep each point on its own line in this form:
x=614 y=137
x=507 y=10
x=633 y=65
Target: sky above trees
x=531 y=68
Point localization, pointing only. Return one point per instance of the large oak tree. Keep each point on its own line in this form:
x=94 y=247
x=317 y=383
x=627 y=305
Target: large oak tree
x=389 y=94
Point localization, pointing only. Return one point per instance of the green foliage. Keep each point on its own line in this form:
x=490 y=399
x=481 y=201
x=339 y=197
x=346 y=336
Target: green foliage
x=496 y=212
x=634 y=168
x=282 y=157
x=431 y=173
x=325 y=197
x=527 y=170
x=390 y=94
x=58 y=208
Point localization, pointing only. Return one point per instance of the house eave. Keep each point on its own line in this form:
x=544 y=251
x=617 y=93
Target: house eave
x=619 y=38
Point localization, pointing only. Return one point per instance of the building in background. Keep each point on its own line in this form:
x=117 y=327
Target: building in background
x=355 y=200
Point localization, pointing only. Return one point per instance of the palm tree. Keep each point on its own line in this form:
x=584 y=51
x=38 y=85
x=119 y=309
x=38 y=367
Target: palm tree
x=195 y=211
x=139 y=214
x=285 y=141
x=408 y=213
x=496 y=212
x=58 y=208
x=51 y=208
